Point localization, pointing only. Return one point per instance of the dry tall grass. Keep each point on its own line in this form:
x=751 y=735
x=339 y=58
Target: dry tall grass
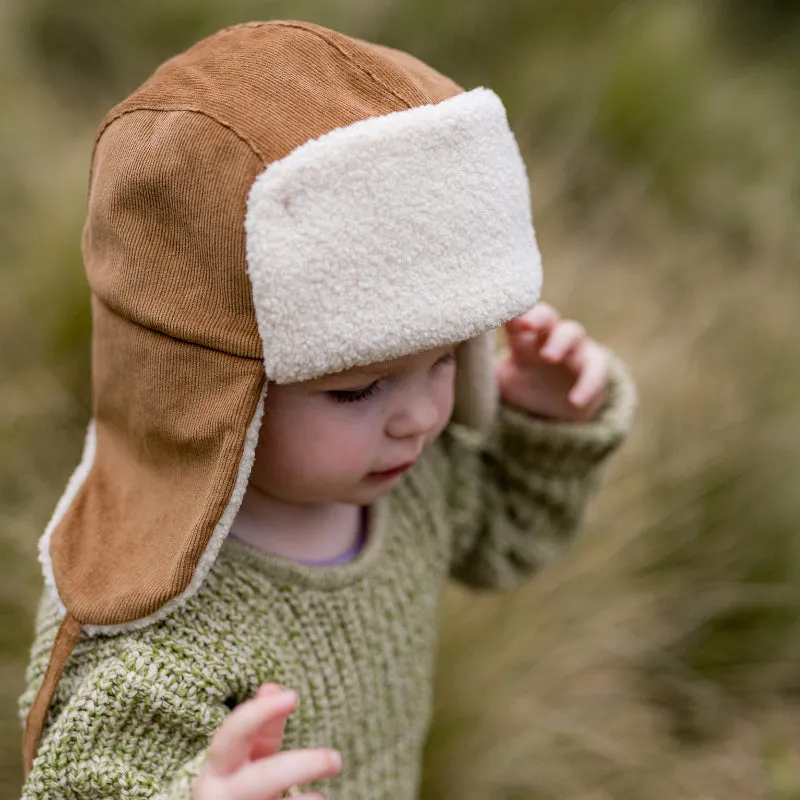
x=660 y=659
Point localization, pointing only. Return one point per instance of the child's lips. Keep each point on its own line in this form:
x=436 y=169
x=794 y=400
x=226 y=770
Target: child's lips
x=391 y=473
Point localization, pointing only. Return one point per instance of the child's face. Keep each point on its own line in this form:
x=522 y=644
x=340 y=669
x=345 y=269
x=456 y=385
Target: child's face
x=328 y=439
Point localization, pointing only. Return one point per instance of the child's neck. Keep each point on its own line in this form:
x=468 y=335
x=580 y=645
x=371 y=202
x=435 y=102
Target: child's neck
x=306 y=533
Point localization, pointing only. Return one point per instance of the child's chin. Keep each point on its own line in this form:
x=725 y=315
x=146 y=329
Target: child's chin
x=369 y=491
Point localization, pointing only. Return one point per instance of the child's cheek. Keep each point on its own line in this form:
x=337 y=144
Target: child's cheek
x=345 y=441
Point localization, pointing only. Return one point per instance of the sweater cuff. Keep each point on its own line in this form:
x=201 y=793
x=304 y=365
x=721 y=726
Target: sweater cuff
x=561 y=448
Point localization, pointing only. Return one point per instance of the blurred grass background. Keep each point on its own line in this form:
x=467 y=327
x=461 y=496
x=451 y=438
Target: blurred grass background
x=661 y=659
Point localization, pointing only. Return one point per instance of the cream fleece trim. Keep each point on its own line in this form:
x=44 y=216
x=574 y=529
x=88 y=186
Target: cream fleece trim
x=207 y=559
x=74 y=484
x=396 y=234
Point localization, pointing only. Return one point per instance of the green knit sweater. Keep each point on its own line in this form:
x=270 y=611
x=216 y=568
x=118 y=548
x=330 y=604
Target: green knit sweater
x=134 y=712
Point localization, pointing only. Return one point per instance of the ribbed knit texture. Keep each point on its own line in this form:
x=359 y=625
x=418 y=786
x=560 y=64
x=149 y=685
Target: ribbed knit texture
x=133 y=713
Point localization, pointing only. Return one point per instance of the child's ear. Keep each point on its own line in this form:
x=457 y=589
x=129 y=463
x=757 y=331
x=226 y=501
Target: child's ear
x=476 y=394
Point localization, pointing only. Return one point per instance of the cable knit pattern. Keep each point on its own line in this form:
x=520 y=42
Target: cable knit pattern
x=133 y=713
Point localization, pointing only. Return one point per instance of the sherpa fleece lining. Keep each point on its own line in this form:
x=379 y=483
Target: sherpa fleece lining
x=395 y=234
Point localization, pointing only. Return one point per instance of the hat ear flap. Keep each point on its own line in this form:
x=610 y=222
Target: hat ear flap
x=476 y=394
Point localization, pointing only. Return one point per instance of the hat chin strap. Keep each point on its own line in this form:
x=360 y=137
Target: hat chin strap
x=476 y=394
x=67 y=637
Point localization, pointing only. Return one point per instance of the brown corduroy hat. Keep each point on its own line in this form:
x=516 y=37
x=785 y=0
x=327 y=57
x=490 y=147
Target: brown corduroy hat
x=277 y=203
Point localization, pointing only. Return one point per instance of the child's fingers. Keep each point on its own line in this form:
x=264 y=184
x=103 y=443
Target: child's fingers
x=270 y=777
x=267 y=689
x=233 y=742
x=591 y=364
x=526 y=334
x=540 y=319
x=566 y=336
x=270 y=736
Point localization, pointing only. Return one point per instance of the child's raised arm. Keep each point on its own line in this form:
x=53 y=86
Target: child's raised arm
x=517 y=494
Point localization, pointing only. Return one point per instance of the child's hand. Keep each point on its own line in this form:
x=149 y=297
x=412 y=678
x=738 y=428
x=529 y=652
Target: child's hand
x=553 y=368
x=244 y=762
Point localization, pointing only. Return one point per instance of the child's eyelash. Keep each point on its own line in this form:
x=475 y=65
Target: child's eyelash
x=353 y=395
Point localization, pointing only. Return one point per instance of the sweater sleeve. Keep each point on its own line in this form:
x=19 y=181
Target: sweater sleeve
x=129 y=721
x=517 y=494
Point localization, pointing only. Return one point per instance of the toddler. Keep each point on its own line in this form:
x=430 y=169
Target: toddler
x=299 y=246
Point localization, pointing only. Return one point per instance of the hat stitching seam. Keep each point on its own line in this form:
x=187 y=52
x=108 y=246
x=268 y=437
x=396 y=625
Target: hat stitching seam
x=138 y=324
x=190 y=109
x=314 y=32
x=347 y=57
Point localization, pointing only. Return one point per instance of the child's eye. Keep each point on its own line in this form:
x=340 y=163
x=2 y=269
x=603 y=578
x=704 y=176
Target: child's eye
x=353 y=395
x=447 y=358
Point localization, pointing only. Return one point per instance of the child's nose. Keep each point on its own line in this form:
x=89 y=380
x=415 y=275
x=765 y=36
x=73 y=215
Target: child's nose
x=414 y=415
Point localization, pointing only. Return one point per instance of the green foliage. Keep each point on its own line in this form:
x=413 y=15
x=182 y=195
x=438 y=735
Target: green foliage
x=93 y=51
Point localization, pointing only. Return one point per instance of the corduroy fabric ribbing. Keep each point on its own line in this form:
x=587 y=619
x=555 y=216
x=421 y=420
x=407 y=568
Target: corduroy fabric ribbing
x=163 y=243
x=133 y=713
x=307 y=81
x=169 y=490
